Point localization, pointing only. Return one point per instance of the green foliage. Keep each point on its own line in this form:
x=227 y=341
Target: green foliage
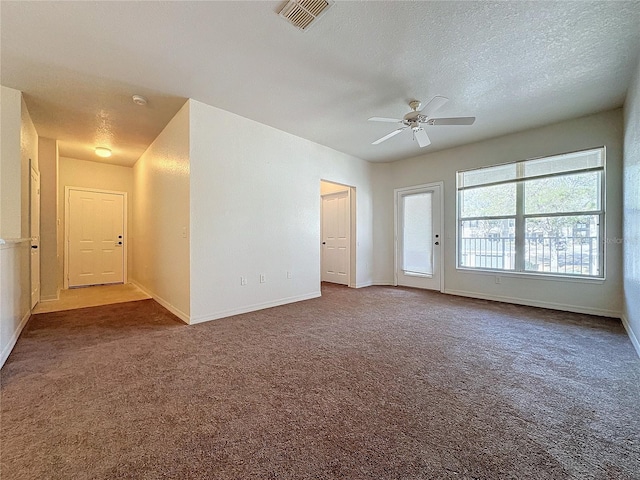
x=493 y=201
x=567 y=193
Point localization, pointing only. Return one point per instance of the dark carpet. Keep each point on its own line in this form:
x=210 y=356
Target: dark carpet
x=375 y=383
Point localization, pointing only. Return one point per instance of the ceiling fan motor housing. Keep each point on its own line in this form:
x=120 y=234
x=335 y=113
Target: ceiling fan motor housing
x=412 y=116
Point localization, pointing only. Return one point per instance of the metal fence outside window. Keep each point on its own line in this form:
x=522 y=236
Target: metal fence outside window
x=577 y=255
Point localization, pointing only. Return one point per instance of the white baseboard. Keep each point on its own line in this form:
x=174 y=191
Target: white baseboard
x=14 y=338
x=252 y=308
x=535 y=303
x=364 y=284
x=632 y=335
x=176 y=311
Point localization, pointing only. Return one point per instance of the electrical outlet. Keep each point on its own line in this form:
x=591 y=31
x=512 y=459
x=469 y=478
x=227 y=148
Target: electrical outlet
x=498 y=280
x=289 y=275
x=243 y=281
x=263 y=278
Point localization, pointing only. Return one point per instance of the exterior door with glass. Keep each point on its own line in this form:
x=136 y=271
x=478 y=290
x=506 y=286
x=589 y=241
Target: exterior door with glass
x=419 y=237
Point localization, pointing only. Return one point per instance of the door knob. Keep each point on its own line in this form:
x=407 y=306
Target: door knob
x=324 y=243
x=437 y=243
x=34 y=246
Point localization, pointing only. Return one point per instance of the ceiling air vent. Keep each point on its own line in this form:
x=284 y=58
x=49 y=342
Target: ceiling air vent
x=302 y=13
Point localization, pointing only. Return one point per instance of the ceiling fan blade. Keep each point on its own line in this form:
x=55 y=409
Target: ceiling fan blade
x=434 y=104
x=389 y=135
x=452 y=121
x=422 y=137
x=384 y=119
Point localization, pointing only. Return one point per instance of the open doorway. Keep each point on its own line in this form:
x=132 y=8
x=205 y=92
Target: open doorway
x=338 y=235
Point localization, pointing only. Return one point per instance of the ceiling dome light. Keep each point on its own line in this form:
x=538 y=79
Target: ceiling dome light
x=139 y=100
x=103 y=152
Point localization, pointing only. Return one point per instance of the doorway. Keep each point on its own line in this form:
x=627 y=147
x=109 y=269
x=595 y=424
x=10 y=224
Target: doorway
x=95 y=237
x=418 y=221
x=337 y=259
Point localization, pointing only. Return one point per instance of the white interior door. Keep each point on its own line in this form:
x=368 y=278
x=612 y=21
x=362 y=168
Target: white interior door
x=95 y=237
x=34 y=220
x=336 y=239
x=418 y=237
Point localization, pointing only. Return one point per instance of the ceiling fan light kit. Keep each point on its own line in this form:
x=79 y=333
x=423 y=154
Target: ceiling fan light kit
x=417 y=118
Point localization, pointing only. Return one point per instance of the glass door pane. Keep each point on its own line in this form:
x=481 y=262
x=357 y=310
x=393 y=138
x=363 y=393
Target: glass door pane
x=417 y=232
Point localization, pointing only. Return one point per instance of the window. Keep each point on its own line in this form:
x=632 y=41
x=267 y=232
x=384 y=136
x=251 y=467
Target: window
x=543 y=216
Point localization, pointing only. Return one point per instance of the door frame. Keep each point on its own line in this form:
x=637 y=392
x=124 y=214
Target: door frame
x=351 y=280
x=322 y=249
x=35 y=241
x=396 y=224
x=67 y=190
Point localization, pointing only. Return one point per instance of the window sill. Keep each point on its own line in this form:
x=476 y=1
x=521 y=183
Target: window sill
x=533 y=276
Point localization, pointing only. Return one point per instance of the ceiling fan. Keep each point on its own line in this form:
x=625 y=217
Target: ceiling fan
x=417 y=118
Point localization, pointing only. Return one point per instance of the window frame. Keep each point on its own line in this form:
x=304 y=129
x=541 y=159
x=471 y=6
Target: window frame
x=520 y=218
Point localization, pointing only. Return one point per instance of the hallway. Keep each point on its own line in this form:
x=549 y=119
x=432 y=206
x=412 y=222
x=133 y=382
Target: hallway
x=92 y=297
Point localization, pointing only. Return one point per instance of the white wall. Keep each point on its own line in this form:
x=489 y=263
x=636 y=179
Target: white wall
x=49 y=275
x=101 y=176
x=631 y=211
x=161 y=216
x=16 y=150
x=598 y=298
x=10 y=165
x=28 y=156
x=255 y=209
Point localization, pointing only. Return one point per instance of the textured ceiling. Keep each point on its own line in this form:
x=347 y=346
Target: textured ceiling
x=513 y=65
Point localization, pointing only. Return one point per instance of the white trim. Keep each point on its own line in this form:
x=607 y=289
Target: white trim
x=364 y=284
x=14 y=338
x=36 y=247
x=176 y=311
x=353 y=239
x=253 y=308
x=534 y=303
x=125 y=233
x=632 y=335
x=548 y=277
